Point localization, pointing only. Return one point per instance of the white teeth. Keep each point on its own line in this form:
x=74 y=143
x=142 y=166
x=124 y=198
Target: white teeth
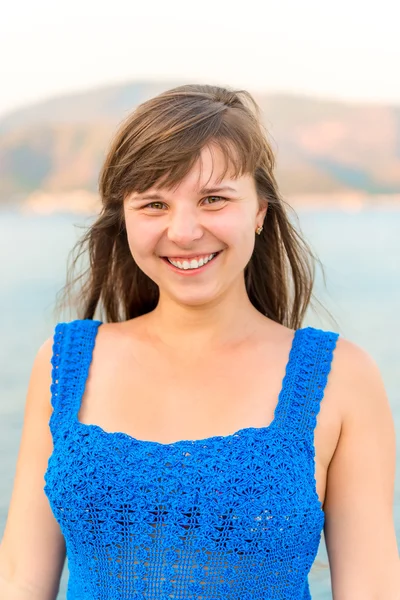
x=192 y=264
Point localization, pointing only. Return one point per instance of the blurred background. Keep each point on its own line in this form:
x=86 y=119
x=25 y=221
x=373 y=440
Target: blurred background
x=325 y=79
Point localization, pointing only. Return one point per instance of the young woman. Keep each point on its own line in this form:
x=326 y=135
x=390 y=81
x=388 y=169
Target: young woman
x=195 y=439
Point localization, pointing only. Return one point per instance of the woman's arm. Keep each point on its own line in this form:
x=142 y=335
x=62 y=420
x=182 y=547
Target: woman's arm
x=359 y=528
x=32 y=552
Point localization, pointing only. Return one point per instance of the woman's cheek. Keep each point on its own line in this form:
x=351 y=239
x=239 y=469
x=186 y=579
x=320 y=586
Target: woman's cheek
x=142 y=238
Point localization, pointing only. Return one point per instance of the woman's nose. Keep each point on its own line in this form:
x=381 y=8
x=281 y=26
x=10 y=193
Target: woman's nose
x=184 y=228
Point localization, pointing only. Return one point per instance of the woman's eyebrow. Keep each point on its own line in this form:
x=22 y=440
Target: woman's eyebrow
x=206 y=190
x=148 y=196
x=222 y=188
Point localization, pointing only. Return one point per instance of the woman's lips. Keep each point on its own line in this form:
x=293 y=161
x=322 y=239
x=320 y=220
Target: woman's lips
x=189 y=257
x=191 y=270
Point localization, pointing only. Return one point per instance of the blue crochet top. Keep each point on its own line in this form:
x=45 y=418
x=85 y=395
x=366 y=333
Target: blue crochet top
x=226 y=517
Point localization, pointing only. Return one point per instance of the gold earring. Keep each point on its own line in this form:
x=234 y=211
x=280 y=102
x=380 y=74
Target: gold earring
x=259 y=230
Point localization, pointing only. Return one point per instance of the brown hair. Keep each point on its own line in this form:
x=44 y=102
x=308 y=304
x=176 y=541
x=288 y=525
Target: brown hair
x=161 y=141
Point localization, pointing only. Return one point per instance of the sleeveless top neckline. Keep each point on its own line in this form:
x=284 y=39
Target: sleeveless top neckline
x=234 y=516
x=244 y=431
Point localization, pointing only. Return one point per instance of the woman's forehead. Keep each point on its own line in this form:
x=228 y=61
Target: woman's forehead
x=212 y=169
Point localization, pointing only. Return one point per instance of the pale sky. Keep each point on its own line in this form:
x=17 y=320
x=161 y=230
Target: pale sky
x=343 y=49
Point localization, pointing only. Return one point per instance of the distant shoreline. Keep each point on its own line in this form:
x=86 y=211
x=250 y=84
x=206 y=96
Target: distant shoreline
x=352 y=202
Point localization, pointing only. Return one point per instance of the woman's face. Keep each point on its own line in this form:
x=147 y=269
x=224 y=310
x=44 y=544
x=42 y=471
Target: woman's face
x=195 y=241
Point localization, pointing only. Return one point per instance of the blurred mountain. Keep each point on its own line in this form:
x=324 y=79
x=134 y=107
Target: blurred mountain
x=322 y=146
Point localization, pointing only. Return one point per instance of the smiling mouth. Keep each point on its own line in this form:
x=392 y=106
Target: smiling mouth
x=191 y=264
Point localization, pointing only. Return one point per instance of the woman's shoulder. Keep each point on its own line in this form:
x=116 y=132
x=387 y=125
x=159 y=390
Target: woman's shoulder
x=355 y=380
x=352 y=365
x=352 y=361
x=278 y=333
x=102 y=337
x=354 y=375
x=84 y=323
x=76 y=324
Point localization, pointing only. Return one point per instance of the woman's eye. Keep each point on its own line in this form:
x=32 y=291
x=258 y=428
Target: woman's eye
x=155 y=205
x=213 y=199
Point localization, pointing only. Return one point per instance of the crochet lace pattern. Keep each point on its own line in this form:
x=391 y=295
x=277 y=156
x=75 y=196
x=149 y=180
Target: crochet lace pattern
x=233 y=517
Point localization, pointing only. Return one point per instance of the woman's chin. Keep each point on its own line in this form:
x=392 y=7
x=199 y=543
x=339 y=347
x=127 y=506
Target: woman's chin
x=194 y=298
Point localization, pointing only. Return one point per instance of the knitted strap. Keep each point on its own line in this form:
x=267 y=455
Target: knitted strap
x=72 y=353
x=306 y=379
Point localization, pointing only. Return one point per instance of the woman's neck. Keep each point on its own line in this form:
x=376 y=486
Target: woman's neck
x=227 y=321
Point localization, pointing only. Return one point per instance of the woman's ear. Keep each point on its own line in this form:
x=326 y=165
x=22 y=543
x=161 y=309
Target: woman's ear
x=262 y=211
